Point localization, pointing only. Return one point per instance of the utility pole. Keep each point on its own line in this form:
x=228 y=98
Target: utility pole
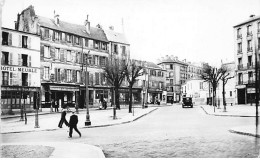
x=87 y=122
x=256 y=85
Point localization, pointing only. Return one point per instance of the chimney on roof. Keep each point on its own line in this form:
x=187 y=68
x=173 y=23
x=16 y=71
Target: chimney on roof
x=251 y=16
x=15 y=25
x=111 y=28
x=99 y=26
x=87 y=25
x=184 y=60
x=56 y=19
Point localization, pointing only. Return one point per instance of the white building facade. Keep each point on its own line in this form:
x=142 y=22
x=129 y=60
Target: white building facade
x=20 y=67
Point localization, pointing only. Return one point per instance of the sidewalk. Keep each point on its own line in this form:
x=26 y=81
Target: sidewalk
x=236 y=111
x=98 y=118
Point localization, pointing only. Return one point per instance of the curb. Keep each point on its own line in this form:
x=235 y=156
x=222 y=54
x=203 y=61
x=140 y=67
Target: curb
x=225 y=115
x=95 y=126
x=244 y=133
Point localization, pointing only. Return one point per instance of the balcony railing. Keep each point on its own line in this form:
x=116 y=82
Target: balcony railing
x=249 y=49
x=250 y=66
x=240 y=82
x=240 y=66
x=239 y=36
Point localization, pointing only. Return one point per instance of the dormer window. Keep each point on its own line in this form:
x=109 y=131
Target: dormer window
x=68 y=38
x=239 y=35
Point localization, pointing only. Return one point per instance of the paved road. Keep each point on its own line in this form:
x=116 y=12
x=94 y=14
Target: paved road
x=167 y=132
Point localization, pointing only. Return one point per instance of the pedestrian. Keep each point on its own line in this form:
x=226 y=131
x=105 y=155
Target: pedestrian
x=73 y=124
x=56 y=105
x=63 y=118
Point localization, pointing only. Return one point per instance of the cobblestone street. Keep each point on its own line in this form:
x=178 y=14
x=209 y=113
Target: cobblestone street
x=165 y=133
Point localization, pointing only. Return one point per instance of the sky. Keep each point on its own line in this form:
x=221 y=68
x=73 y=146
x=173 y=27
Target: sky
x=195 y=30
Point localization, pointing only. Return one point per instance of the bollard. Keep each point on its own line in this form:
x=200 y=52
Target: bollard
x=114 y=112
x=25 y=118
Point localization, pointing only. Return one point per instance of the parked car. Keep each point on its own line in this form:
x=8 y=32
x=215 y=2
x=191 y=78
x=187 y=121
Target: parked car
x=187 y=102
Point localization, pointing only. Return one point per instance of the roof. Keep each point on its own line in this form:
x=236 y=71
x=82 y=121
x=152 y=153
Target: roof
x=13 y=30
x=248 y=21
x=116 y=37
x=152 y=65
x=95 y=33
x=170 y=60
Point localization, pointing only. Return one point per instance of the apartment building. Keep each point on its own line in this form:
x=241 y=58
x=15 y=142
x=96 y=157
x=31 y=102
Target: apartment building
x=152 y=83
x=66 y=49
x=247 y=46
x=119 y=47
x=176 y=75
x=20 y=69
x=194 y=70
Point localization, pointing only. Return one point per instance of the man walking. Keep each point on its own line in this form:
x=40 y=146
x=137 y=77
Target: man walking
x=63 y=118
x=73 y=124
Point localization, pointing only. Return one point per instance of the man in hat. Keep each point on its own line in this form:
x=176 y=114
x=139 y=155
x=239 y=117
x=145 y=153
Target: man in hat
x=73 y=124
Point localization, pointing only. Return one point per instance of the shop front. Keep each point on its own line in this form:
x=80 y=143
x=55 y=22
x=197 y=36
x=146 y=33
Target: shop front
x=65 y=95
x=124 y=95
x=13 y=99
x=96 y=95
x=154 y=95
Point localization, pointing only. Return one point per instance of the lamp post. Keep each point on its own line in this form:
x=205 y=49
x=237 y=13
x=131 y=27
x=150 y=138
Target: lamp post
x=87 y=122
x=36 y=103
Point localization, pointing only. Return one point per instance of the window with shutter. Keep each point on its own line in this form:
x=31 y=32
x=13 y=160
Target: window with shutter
x=29 y=61
x=97 y=78
x=10 y=39
x=29 y=42
x=65 y=55
x=29 y=79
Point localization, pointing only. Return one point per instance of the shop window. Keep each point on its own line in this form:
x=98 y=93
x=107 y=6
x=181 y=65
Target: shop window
x=25 y=79
x=24 y=41
x=5 y=78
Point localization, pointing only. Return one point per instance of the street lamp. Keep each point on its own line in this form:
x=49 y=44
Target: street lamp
x=36 y=106
x=87 y=122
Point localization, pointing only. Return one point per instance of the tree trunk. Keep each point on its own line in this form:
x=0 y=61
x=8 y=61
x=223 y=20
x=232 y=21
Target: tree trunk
x=117 y=98
x=131 y=99
x=224 y=98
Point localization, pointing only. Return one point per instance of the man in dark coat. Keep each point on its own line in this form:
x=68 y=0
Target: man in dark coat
x=73 y=124
x=63 y=118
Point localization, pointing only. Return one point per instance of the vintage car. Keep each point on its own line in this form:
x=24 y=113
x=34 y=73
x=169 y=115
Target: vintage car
x=187 y=102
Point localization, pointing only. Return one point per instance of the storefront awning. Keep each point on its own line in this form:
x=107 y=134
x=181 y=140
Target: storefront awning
x=64 y=88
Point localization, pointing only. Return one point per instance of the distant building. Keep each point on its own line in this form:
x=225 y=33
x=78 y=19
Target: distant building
x=20 y=69
x=196 y=88
x=194 y=70
x=153 y=83
x=176 y=75
x=247 y=46
x=230 y=86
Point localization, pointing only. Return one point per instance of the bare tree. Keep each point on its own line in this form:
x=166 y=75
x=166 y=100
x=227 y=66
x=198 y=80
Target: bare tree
x=226 y=75
x=132 y=73
x=115 y=72
x=212 y=75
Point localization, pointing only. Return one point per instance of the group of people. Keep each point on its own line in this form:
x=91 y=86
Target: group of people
x=72 y=124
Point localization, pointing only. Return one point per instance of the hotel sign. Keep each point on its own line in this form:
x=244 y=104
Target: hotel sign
x=19 y=69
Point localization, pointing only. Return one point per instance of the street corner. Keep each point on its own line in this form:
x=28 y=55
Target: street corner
x=246 y=130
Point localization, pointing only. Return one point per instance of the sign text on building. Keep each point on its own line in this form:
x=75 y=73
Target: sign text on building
x=18 y=69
